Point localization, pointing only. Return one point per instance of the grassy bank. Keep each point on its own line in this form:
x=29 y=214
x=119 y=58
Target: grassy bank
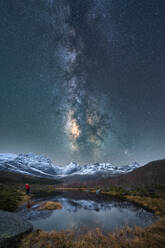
x=50 y=205
x=10 y=197
x=12 y=189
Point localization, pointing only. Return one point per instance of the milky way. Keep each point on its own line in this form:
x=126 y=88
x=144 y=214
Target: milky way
x=86 y=119
x=83 y=80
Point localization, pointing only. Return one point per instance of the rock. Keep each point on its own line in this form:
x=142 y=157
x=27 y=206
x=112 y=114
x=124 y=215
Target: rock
x=12 y=226
x=98 y=191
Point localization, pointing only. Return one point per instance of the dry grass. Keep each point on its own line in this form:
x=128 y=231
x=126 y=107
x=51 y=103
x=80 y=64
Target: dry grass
x=50 y=205
x=157 y=205
x=151 y=237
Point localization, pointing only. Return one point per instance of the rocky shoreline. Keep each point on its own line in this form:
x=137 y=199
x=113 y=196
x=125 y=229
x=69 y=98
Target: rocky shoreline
x=12 y=227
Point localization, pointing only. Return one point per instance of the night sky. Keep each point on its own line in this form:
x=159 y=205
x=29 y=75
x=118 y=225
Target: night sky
x=83 y=80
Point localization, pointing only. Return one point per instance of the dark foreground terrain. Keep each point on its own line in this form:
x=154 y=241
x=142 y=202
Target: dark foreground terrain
x=150 y=194
x=11 y=228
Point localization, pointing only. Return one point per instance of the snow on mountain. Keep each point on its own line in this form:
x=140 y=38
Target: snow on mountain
x=6 y=157
x=96 y=169
x=74 y=205
x=69 y=169
x=29 y=163
x=38 y=165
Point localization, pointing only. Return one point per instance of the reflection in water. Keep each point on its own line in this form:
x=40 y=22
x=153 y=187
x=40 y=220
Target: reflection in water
x=28 y=205
x=90 y=212
x=32 y=212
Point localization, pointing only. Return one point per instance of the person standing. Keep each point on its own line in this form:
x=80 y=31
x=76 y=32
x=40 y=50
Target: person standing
x=27 y=186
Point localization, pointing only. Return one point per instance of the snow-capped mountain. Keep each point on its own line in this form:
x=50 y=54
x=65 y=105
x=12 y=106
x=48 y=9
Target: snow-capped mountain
x=29 y=163
x=38 y=165
x=73 y=169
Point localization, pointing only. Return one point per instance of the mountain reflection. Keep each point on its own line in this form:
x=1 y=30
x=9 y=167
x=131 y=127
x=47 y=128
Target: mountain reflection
x=86 y=211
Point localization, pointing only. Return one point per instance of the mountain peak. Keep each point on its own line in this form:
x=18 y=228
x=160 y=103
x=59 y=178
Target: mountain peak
x=39 y=165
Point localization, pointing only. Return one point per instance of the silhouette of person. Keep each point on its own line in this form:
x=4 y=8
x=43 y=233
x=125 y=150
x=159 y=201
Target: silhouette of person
x=27 y=186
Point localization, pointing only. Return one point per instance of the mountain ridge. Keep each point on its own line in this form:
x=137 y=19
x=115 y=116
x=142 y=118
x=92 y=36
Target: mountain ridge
x=152 y=173
x=41 y=166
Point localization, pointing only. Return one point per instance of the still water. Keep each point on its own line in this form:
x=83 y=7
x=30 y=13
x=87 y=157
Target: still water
x=87 y=211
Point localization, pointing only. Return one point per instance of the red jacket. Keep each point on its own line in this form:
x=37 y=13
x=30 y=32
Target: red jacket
x=27 y=186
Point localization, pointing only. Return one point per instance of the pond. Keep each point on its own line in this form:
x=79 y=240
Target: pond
x=86 y=211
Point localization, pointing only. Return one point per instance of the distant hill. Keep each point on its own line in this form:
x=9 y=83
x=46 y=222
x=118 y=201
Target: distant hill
x=150 y=174
x=16 y=178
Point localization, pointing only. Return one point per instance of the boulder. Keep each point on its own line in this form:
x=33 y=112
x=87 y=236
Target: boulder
x=12 y=226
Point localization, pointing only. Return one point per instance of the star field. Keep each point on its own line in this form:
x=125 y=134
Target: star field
x=83 y=80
